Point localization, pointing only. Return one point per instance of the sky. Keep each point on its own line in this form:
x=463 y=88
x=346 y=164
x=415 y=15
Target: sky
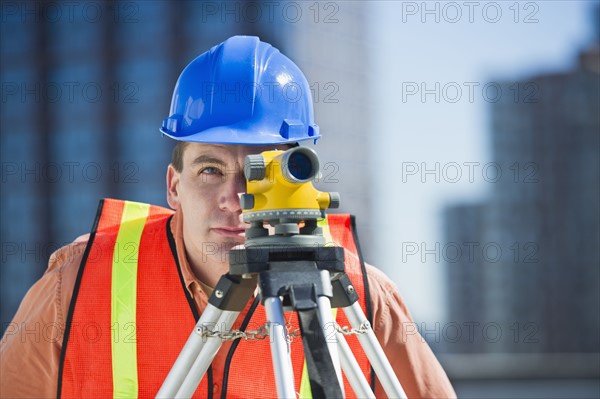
x=456 y=51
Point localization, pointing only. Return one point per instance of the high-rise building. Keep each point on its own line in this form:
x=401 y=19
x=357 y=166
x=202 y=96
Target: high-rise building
x=544 y=286
x=464 y=227
x=83 y=94
x=85 y=86
x=339 y=81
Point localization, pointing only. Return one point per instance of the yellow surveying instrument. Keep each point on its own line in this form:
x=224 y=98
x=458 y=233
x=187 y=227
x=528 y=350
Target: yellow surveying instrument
x=280 y=183
x=281 y=193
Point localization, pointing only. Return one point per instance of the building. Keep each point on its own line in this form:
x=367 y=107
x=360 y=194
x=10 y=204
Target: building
x=543 y=290
x=85 y=86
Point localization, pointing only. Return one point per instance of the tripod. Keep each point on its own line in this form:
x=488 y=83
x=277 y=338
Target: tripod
x=293 y=269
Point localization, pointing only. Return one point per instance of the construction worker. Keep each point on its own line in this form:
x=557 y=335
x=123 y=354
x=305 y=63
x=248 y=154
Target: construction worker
x=115 y=307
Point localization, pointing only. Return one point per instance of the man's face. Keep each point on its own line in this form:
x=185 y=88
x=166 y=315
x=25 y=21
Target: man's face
x=207 y=193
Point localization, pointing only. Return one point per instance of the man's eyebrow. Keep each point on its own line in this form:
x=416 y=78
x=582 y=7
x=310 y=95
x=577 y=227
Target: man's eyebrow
x=203 y=159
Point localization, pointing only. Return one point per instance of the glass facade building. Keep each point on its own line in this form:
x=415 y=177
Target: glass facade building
x=542 y=288
x=85 y=86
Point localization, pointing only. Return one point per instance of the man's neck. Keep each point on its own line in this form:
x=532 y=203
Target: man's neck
x=208 y=272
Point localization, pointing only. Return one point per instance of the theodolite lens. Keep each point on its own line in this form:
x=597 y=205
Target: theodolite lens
x=300 y=164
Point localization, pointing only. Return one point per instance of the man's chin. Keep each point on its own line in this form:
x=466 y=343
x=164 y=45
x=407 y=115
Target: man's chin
x=229 y=245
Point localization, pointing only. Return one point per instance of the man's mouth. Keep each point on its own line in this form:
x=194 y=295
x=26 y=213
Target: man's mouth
x=229 y=231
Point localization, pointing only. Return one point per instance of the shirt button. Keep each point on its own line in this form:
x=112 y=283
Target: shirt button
x=215 y=388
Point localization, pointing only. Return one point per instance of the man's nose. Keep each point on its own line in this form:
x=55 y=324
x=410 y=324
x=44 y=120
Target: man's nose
x=235 y=187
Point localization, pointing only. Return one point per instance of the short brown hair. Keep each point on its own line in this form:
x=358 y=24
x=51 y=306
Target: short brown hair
x=177 y=155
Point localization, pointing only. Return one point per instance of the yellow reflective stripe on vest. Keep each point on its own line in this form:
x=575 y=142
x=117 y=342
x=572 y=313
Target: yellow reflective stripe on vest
x=123 y=300
x=305 y=391
x=324 y=224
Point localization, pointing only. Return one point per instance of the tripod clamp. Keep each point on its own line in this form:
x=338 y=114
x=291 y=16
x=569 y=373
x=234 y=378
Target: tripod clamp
x=301 y=277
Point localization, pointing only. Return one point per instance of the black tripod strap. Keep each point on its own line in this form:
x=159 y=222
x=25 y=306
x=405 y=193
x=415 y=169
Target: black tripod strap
x=321 y=372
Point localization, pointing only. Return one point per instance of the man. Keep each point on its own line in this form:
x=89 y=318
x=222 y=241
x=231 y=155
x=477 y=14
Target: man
x=116 y=307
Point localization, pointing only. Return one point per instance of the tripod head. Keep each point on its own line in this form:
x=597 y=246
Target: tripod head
x=280 y=192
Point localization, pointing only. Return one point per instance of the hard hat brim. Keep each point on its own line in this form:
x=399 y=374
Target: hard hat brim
x=240 y=136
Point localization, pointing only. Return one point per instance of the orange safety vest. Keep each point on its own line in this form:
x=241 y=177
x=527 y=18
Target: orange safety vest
x=131 y=314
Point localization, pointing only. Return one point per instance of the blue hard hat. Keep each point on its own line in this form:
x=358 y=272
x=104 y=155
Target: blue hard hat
x=242 y=91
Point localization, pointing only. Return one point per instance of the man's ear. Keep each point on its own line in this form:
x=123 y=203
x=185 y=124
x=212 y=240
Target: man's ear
x=173 y=177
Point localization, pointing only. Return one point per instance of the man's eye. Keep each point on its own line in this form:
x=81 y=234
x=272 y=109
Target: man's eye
x=210 y=170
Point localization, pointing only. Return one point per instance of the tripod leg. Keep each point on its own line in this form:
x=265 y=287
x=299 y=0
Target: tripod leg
x=327 y=322
x=189 y=353
x=231 y=293
x=282 y=363
x=205 y=357
x=352 y=370
x=373 y=350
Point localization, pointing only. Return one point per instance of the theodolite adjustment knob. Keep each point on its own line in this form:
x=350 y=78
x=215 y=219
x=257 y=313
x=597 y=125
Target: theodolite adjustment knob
x=334 y=200
x=247 y=201
x=254 y=167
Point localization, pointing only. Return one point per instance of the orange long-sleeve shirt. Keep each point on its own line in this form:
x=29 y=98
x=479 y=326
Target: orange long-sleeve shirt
x=31 y=346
